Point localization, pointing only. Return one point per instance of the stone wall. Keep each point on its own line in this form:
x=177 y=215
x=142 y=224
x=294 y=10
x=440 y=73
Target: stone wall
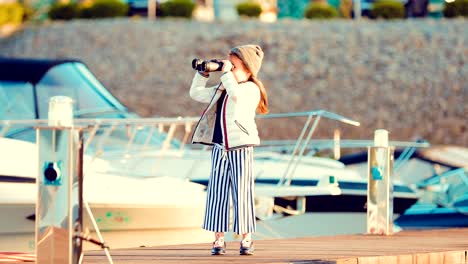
x=409 y=77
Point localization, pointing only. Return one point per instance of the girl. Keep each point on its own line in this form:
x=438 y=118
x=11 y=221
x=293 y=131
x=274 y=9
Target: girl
x=228 y=123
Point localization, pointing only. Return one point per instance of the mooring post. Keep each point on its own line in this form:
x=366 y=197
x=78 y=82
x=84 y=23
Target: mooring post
x=380 y=186
x=59 y=204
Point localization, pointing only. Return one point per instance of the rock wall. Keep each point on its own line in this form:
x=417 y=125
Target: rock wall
x=409 y=77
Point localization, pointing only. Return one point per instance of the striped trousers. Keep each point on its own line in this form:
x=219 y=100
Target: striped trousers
x=231 y=174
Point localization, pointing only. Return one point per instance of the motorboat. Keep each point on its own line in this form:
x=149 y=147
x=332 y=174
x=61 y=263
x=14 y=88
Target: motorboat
x=129 y=211
x=288 y=176
x=440 y=174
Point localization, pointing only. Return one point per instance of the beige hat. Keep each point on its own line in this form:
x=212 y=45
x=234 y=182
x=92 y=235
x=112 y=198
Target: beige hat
x=251 y=56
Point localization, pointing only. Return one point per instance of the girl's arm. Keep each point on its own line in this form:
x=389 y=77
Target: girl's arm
x=247 y=92
x=199 y=91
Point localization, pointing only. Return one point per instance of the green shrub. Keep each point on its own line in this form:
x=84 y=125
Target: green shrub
x=104 y=8
x=320 y=11
x=456 y=8
x=249 y=9
x=61 y=11
x=178 y=8
x=388 y=9
x=11 y=13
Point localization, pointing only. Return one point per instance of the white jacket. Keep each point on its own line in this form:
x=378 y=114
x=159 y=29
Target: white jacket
x=238 y=111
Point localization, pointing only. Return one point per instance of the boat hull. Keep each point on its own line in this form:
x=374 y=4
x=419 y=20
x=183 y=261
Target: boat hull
x=343 y=203
x=350 y=200
x=121 y=225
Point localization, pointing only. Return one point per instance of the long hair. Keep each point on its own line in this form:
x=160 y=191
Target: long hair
x=262 y=107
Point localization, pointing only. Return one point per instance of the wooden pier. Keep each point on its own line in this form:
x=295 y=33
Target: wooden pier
x=443 y=246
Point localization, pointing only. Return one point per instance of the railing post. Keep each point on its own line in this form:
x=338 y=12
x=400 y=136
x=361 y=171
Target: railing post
x=59 y=181
x=380 y=186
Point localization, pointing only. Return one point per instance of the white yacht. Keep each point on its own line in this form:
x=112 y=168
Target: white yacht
x=440 y=174
x=129 y=211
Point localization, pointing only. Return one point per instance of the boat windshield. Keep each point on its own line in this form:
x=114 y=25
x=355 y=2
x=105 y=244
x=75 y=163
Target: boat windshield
x=74 y=80
x=22 y=100
x=28 y=99
x=16 y=100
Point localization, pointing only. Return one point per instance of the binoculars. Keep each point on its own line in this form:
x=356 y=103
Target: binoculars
x=207 y=65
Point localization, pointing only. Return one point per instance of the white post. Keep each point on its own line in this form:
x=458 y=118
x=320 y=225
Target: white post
x=336 y=145
x=380 y=186
x=61 y=111
x=59 y=181
x=357 y=9
x=381 y=138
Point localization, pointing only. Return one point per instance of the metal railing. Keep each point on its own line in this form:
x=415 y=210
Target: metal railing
x=448 y=187
x=302 y=142
x=157 y=137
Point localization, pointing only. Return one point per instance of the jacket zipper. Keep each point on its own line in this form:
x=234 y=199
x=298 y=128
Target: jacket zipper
x=204 y=111
x=226 y=143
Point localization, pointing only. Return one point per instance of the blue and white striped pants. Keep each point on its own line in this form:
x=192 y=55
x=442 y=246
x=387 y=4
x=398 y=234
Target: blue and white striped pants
x=231 y=173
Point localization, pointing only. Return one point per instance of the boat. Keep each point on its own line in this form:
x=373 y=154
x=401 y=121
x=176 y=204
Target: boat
x=440 y=174
x=129 y=211
x=287 y=175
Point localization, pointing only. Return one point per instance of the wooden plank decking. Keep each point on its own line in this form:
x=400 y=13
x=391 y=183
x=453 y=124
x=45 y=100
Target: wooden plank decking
x=444 y=246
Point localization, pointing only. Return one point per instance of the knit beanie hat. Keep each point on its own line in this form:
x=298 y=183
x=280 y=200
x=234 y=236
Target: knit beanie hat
x=251 y=56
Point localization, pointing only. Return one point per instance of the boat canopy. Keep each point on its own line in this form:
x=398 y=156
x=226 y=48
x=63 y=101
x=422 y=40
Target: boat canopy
x=26 y=85
x=27 y=70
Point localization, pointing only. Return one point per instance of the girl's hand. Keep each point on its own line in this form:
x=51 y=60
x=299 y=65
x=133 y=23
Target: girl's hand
x=204 y=74
x=227 y=67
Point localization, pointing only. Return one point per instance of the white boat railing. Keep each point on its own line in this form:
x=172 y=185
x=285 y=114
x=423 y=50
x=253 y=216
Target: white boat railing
x=131 y=137
x=449 y=187
x=302 y=142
